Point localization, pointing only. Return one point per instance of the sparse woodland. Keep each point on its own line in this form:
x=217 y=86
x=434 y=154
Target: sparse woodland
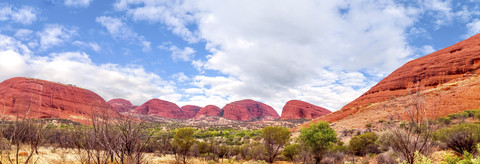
x=451 y=139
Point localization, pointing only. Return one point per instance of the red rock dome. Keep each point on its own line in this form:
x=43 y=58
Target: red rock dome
x=121 y=105
x=209 y=110
x=296 y=109
x=161 y=108
x=249 y=110
x=190 y=110
x=34 y=98
x=449 y=64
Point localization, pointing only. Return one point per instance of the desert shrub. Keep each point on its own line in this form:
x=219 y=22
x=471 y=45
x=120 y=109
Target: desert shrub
x=290 y=151
x=450 y=159
x=339 y=147
x=368 y=126
x=460 y=115
x=336 y=153
x=387 y=158
x=467 y=158
x=364 y=144
x=203 y=147
x=444 y=120
x=258 y=151
x=405 y=142
x=472 y=113
x=460 y=138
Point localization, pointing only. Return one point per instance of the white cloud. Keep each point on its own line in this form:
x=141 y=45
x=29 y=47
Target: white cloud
x=180 y=77
x=321 y=52
x=119 y=30
x=90 y=45
x=77 y=3
x=108 y=80
x=55 y=35
x=472 y=28
x=166 y=12
x=198 y=64
x=186 y=54
x=23 y=34
x=442 y=10
x=427 y=49
x=24 y=15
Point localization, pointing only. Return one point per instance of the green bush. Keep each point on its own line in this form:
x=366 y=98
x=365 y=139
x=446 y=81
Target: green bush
x=364 y=144
x=472 y=113
x=445 y=120
x=460 y=138
x=290 y=151
x=460 y=115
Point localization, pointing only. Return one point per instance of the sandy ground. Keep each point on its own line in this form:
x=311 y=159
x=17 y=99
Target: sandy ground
x=49 y=155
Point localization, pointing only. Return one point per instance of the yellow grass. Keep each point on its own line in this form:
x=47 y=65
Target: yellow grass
x=49 y=155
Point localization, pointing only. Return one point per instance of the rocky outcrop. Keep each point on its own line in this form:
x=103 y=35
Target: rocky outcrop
x=296 y=109
x=249 y=110
x=161 y=108
x=34 y=98
x=121 y=105
x=190 y=110
x=449 y=65
x=209 y=110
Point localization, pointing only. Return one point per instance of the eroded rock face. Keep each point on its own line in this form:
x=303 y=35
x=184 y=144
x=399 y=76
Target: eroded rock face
x=34 y=98
x=249 y=110
x=161 y=108
x=190 y=110
x=296 y=109
x=209 y=110
x=121 y=105
x=446 y=65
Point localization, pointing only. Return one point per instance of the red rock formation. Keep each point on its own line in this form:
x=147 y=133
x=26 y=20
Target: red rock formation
x=161 y=108
x=190 y=110
x=209 y=110
x=449 y=64
x=248 y=110
x=121 y=105
x=296 y=109
x=34 y=98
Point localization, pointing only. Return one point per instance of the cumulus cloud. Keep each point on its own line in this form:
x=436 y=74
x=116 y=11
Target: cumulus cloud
x=441 y=9
x=472 y=28
x=180 y=77
x=108 y=80
x=166 y=12
x=77 y=3
x=24 y=15
x=120 y=30
x=320 y=52
x=186 y=54
x=55 y=35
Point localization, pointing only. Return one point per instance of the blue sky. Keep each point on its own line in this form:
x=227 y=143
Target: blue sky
x=204 y=52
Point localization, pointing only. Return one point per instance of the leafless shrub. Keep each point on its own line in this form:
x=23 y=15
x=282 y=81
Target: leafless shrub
x=414 y=137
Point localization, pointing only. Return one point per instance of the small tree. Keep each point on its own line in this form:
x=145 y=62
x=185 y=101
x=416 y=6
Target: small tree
x=183 y=141
x=274 y=138
x=318 y=138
